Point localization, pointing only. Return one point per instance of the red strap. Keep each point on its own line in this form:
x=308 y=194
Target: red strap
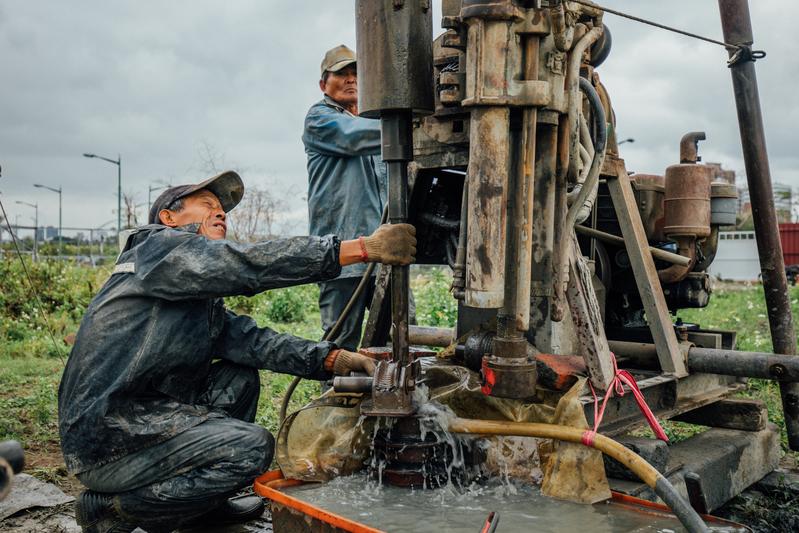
x=620 y=379
x=364 y=255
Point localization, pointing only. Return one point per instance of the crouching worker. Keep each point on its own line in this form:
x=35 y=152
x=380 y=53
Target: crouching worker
x=158 y=398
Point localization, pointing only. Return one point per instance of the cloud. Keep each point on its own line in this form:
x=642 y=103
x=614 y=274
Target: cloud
x=153 y=81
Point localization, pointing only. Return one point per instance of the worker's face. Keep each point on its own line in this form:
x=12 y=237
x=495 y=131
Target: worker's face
x=201 y=207
x=342 y=86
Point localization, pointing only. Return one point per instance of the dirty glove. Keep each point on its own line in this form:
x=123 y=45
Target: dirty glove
x=391 y=244
x=347 y=362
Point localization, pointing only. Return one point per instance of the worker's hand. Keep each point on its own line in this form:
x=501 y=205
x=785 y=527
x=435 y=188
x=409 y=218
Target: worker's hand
x=347 y=362
x=391 y=244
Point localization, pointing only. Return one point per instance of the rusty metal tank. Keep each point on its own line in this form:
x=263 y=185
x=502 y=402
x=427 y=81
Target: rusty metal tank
x=687 y=201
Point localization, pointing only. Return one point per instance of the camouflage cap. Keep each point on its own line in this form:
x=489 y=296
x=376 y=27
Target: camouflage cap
x=227 y=186
x=337 y=58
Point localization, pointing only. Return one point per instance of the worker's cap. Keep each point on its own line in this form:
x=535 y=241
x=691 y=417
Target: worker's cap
x=227 y=186
x=337 y=58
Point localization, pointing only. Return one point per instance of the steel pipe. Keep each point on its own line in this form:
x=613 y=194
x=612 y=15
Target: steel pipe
x=657 y=253
x=763 y=365
x=353 y=384
x=737 y=29
x=428 y=336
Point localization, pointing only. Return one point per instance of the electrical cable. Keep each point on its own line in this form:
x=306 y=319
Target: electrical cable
x=662 y=26
x=32 y=286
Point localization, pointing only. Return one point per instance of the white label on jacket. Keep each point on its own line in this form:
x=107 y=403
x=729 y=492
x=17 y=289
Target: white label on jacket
x=125 y=268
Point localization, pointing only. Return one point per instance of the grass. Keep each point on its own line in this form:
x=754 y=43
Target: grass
x=30 y=367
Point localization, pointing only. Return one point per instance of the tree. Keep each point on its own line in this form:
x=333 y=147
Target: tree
x=254 y=218
x=130 y=207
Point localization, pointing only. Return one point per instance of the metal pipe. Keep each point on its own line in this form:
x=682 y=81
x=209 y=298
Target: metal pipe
x=645 y=471
x=762 y=365
x=397 y=151
x=689 y=149
x=657 y=253
x=709 y=248
x=487 y=178
x=737 y=29
x=686 y=245
x=428 y=336
x=353 y=384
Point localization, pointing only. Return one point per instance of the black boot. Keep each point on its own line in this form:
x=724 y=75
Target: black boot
x=95 y=513
x=232 y=511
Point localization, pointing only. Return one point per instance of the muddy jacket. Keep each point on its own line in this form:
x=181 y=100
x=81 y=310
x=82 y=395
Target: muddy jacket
x=346 y=177
x=146 y=343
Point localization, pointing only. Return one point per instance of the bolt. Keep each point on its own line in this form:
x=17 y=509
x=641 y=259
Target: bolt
x=778 y=370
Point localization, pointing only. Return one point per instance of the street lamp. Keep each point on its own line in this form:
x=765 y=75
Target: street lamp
x=35 y=229
x=118 y=163
x=150 y=190
x=59 y=211
x=628 y=140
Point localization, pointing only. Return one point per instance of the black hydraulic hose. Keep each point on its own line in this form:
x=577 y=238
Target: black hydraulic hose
x=332 y=332
x=599 y=150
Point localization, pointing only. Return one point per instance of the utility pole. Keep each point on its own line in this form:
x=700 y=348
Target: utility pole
x=35 y=229
x=59 y=212
x=118 y=163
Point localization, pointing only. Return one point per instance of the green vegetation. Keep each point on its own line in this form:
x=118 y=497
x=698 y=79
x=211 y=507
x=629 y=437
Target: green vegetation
x=30 y=367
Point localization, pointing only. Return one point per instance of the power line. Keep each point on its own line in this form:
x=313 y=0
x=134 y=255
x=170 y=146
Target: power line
x=741 y=52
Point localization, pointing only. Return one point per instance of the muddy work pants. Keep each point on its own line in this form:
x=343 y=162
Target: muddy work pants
x=162 y=486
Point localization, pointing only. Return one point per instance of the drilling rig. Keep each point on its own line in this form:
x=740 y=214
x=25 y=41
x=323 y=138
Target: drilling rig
x=500 y=142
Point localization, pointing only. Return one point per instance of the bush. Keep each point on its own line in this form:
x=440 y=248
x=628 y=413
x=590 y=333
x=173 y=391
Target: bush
x=435 y=306
x=289 y=305
x=64 y=290
x=286 y=305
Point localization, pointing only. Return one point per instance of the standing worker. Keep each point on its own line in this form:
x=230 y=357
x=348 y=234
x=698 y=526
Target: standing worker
x=158 y=398
x=346 y=183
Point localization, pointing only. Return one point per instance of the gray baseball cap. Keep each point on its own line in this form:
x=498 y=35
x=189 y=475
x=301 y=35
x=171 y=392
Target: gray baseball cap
x=337 y=58
x=226 y=186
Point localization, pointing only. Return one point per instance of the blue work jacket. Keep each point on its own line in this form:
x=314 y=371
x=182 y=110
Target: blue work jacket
x=346 y=177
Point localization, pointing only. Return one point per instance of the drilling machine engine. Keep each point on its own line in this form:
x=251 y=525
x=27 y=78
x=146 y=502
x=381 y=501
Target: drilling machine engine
x=499 y=138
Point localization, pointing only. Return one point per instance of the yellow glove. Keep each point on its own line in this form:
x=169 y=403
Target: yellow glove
x=391 y=244
x=347 y=362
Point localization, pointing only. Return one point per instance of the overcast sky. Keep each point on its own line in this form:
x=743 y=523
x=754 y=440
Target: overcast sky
x=159 y=81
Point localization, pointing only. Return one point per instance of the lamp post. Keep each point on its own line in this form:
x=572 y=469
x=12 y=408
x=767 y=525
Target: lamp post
x=118 y=163
x=150 y=190
x=35 y=229
x=628 y=140
x=59 y=212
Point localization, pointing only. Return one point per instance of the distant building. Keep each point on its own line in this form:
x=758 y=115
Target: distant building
x=783 y=204
x=736 y=258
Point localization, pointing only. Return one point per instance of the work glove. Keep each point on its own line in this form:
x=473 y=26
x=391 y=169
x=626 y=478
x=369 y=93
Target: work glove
x=391 y=244
x=347 y=362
